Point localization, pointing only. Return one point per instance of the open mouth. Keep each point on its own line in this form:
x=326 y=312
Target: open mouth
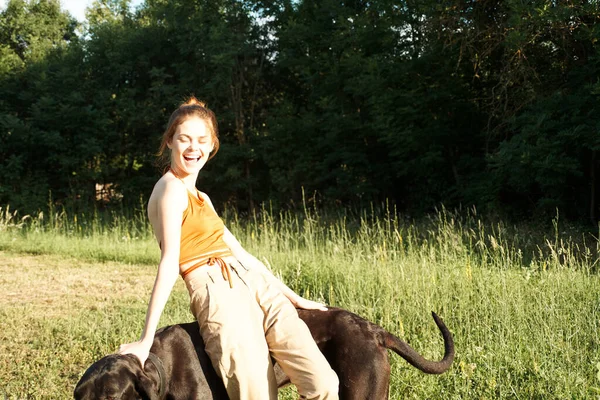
x=191 y=159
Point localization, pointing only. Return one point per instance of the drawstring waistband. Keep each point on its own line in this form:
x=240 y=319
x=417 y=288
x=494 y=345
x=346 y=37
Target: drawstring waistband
x=225 y=270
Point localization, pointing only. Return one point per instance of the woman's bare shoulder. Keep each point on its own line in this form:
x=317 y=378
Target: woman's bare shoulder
x=168 y=185
x=168 y=189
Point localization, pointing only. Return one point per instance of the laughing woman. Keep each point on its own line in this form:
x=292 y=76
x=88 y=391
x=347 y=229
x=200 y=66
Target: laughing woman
x=245 y=314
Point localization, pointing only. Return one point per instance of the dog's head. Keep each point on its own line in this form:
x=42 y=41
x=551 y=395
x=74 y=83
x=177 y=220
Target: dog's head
x=116 y=377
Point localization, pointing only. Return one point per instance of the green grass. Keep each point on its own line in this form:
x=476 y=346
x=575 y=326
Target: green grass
x=524 y=308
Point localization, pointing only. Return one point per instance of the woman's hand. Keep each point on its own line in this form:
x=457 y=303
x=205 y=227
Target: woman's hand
x=138 y=349
x=305 y=304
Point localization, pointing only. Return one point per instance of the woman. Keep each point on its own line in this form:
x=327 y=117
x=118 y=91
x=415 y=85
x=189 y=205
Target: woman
x=245 y=314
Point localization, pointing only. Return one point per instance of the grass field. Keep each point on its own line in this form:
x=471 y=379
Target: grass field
x=524 y=308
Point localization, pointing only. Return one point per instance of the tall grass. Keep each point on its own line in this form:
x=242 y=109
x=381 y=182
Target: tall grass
x=100 y=236
x=523 y=306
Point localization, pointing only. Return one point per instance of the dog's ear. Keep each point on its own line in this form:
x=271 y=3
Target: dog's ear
x=82 y=391
x=145 y=387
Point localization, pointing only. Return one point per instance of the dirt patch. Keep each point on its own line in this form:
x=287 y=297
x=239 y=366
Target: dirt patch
x=59 y=284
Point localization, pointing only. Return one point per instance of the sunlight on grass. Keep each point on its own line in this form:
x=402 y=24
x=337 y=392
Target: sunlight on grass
x=524 y=309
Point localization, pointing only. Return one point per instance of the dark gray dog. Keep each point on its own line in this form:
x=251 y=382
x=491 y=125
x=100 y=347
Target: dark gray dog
x=178 y=368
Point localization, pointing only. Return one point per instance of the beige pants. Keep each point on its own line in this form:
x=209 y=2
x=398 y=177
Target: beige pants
x=243 y=326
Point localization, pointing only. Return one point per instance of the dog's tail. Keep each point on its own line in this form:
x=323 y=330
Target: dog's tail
x=394 y=343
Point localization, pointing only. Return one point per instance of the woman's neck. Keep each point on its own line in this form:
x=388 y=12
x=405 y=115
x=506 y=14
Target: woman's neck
x=188 y=180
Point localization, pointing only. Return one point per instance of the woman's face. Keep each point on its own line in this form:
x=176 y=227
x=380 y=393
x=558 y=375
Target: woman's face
x=190 y=146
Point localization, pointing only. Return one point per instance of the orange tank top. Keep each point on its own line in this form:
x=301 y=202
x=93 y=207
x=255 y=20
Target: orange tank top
x=201 y=234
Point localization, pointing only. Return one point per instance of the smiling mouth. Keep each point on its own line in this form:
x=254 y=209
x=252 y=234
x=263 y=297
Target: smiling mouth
x=192 y=159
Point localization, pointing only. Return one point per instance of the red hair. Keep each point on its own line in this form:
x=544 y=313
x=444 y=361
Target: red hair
x=192 y=108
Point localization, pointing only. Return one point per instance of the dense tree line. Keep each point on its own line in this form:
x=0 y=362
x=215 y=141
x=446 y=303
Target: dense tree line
x=492 y=103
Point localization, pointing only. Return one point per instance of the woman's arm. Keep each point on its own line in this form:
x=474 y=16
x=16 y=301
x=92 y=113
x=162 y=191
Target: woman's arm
x=252 y=262
x=166 y=222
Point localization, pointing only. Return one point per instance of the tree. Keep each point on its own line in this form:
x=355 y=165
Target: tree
x=34 y=38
